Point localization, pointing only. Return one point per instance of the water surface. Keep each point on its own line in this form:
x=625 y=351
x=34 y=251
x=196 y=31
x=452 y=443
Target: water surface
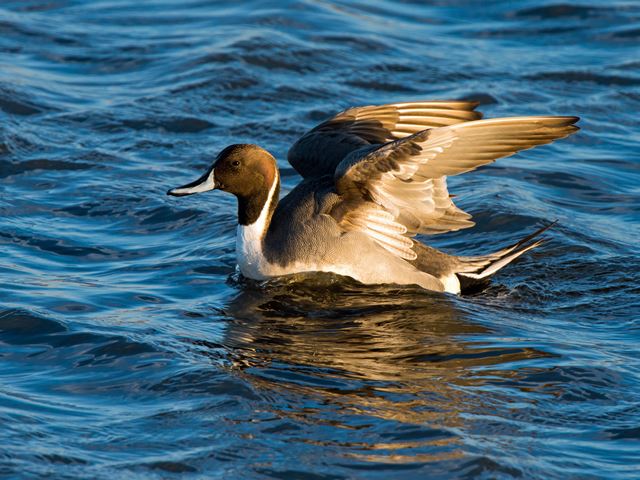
x=128 y=347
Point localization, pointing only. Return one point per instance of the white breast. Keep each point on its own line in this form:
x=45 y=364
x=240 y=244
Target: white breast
x=249 y=253
x=249 y=245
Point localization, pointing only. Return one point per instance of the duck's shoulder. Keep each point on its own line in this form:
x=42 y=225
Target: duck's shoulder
x=312 y=195
x=303 y=212
x=300 y=231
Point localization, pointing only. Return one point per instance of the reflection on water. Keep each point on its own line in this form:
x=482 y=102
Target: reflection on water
x=378 y=359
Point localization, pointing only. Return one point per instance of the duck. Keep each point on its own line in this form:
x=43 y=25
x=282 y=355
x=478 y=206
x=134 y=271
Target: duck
x=373 y=185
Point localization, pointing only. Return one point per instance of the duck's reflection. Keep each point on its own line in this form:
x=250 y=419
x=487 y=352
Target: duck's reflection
x=358 y=358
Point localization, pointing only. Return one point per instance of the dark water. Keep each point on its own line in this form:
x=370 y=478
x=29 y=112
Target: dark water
x=128 y=348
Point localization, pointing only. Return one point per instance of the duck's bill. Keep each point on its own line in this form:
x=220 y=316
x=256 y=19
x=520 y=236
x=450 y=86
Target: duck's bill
x=203 y=184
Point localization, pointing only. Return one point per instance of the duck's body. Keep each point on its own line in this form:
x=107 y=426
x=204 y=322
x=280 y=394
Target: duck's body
x=362 y=199
x=302 y=236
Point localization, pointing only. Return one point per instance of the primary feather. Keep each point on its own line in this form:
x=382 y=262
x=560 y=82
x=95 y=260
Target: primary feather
x=407 y=177
x=319 y=151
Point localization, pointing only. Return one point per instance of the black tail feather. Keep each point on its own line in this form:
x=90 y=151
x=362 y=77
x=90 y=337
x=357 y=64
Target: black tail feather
x=480 y=269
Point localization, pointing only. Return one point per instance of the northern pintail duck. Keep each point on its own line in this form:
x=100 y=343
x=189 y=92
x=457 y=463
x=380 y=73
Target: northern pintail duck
x=372 y=179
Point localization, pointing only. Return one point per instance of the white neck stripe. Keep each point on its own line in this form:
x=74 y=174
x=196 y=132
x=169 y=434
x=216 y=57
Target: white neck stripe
x=249 y=239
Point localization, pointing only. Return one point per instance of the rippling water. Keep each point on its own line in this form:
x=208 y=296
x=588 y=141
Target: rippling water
x=128 y=347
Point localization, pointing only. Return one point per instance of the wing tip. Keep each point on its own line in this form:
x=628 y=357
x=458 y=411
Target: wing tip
x=570 y=120
x=560 y=121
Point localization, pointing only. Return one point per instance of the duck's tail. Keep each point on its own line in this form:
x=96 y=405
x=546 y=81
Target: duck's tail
x=475 y=272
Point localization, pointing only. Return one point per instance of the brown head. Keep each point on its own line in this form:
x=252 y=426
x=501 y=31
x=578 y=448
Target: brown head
x=245 y=170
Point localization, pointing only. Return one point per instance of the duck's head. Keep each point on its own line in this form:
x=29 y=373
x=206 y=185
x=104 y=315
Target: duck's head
x=243 y=170
x=247 y=171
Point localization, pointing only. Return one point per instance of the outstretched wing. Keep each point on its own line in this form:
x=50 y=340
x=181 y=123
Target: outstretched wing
x=399 y=189
x=319 y=151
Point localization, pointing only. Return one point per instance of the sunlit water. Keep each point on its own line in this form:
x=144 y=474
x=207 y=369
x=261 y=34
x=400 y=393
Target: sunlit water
x=128 y=347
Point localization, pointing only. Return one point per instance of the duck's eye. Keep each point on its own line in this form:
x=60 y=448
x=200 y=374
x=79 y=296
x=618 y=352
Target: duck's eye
x=236 y=163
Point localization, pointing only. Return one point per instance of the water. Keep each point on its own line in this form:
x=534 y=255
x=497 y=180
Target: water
x=129 y=349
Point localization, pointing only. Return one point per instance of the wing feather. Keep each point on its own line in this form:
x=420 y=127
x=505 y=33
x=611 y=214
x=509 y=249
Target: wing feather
x=319 y=151
x=484 y=141
x=399 y=189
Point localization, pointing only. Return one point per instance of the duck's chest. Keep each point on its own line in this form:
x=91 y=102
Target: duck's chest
x=250 y=253
x=293 y=240
x=255 y=263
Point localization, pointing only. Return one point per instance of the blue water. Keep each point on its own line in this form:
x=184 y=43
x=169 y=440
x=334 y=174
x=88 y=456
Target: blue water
x=129 y=348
